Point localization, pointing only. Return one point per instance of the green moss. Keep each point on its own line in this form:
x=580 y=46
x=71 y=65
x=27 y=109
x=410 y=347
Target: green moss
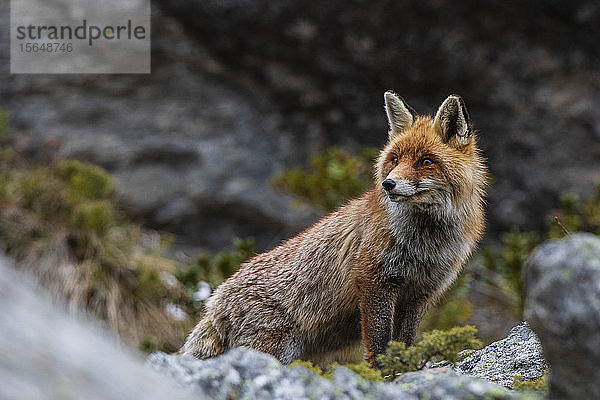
x=363 y=369
x=309 y=365
x=539 y=385
x=435 y=346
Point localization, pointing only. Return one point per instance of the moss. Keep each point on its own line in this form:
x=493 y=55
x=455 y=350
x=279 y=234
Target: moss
x=310 y=366
x=539 y=385
x=363 y=369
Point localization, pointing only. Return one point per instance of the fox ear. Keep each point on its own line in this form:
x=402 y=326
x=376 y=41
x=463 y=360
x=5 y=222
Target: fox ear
x=400 y=115
x=452 y=121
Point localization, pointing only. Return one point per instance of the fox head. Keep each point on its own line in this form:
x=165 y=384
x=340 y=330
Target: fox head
x=429 y=162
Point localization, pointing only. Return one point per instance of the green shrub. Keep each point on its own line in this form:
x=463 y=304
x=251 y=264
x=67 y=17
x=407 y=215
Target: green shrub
x=334 y=177
x=84 y=181
x=61 y=222
x=94 y=216
x=435 y=346
x=218 y=267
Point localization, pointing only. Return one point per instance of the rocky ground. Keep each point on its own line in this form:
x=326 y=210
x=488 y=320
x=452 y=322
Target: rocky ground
x=47 y=355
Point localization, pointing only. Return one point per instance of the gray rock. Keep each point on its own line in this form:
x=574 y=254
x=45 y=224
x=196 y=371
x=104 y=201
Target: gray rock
x=246 y=373
x=249 y=374
x=189 y=151
x=514 y=63
x=47 y=355
x=563 y=307
x=519 y=354
x=444 y=384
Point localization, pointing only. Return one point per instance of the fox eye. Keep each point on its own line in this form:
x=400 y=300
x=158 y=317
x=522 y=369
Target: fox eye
x=426 y=162
x=395 y=160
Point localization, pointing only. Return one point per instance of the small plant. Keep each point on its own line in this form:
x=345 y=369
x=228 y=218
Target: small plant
x=214 y=269
x=61 y=221
x=334 y=177
x=435 y=346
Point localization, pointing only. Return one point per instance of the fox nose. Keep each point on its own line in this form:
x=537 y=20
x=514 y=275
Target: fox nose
x=388 y=184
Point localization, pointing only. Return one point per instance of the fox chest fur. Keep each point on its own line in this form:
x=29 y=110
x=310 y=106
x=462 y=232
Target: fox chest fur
x=365 y=273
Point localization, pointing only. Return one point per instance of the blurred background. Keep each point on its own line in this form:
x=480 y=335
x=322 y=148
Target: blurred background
x=132 y=196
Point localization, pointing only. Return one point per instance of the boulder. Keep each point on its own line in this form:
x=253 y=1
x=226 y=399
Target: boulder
x=246 y=373
x=445 y=384
x=519 y=354
x=48 y=355
x=563 y=307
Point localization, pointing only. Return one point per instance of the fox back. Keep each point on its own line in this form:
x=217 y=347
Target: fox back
x=365 y=273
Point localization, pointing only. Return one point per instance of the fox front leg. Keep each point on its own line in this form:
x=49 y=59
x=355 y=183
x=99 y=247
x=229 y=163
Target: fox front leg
x=408 y=314
x=376 y=317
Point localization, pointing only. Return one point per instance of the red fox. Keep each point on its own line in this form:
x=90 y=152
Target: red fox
x=366 y=272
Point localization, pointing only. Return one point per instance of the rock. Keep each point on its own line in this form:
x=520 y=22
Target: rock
x=563 y=307
x=444 y=384
x=191 y=152
x=249 y=374
x=47 y=355
x=524 y=82
x=519 y=354
x=246 y=373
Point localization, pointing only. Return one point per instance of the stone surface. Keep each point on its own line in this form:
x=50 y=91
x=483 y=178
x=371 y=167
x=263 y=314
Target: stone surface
x=245 y=373
x=531 y=93
x=192 y=151
x=47 y=355
x=563 y=307
x=519 y=354
x=444 y=384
